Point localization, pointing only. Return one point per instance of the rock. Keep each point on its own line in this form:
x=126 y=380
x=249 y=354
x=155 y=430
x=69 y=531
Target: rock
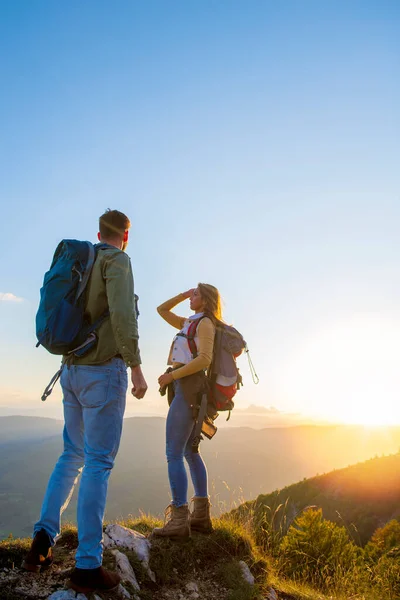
x=247 y=576
x=123 y=592
x=124 y=568
x=192 y=586
x=66 y=595
x=117 y=535
x=271 y=594
x=107 y=541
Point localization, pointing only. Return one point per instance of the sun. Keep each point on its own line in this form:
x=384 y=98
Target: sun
x=349 y=372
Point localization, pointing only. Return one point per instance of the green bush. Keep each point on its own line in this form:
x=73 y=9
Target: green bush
x=386 y=540
x=383 y=559
x=319 y=552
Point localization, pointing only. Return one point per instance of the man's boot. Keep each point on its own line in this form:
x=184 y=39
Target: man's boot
x=176 y=523
x=86 y=581
x=40 y=555
x=200 y=519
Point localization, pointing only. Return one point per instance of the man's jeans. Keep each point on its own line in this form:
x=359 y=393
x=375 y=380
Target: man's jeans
x=94 y=405
x=180 y=434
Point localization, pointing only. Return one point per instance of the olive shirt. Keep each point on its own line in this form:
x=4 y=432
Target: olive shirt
x=205 y=332
x=111 y=286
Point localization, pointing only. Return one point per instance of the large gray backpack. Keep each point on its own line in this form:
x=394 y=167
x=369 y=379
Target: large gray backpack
x=228 y=345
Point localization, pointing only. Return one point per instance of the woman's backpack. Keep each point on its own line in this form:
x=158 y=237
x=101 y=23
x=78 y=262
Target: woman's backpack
x=223 y=374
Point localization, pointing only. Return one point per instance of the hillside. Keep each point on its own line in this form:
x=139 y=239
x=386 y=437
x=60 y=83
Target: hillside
x=226 y=565
x=223 y=566
x=17 y=429
x=242 y=464
x=304 y=542
x=361 y=497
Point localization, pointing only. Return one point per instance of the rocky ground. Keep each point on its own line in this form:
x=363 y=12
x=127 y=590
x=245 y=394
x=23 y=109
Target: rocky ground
x=160 y=570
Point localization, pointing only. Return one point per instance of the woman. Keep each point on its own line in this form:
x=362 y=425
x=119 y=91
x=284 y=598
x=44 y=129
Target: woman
x=186 y=375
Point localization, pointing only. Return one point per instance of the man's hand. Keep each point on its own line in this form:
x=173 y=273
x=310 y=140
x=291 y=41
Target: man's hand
x=188 y=293
x=139 y=385
x=165 y=379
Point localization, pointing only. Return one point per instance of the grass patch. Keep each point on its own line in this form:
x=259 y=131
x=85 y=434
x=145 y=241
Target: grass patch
x=292 y=590
x=68 y=537
x=174 y=562
x=229 y=574
x=143 y=524
x=140 y=572
x=12 y=552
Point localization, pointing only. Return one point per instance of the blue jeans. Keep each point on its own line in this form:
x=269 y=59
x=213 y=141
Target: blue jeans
x=180 y=433
x=94 y=405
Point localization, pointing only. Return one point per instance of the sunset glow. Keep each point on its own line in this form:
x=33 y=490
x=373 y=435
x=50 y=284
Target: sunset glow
x=349 y=372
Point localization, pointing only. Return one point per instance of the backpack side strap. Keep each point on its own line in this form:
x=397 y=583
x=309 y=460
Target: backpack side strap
x=199 y=422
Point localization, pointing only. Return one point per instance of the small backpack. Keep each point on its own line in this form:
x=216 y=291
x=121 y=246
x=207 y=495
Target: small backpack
x=60 y=320
x=228 y=345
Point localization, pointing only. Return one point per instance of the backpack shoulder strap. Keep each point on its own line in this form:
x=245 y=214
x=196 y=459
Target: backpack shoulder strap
x=191 y=335
x=88 y=269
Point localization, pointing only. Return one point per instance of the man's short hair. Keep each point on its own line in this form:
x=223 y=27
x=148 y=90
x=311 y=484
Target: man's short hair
x=113 y=223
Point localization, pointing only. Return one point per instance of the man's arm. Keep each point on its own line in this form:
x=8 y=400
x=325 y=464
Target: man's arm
x=121 y=301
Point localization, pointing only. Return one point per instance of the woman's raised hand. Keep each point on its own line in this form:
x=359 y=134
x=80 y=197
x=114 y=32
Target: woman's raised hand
x=188 y=293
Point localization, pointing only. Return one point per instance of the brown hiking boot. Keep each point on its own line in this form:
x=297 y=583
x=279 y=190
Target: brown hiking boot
x=86 y=581
x=176 y=524
x=200 y=519
x=40 y=555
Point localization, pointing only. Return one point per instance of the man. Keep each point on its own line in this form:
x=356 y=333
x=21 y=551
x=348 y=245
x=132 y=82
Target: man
x=94 y=389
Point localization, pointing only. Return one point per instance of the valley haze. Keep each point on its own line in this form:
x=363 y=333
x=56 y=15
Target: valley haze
x=242 y=462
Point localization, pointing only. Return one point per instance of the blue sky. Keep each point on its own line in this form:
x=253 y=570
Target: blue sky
x=254 y=145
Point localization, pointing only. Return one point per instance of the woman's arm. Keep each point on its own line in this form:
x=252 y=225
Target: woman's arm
x=206 y=334
x=164 y=310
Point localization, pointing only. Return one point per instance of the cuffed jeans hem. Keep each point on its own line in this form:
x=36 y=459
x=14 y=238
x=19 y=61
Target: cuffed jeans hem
x=88 y=563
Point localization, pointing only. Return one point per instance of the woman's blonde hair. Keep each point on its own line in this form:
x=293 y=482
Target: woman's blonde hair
x=212 y=300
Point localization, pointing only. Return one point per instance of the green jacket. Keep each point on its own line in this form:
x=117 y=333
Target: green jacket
x=111 y=286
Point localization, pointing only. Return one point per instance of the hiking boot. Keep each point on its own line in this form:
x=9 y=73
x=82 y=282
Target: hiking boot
x=86 y=581
x=40 y=555
x=200 y=519
x=176 y=523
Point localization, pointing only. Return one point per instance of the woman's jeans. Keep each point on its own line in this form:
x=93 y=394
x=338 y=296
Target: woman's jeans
x=94 y=405
x=180 y=433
